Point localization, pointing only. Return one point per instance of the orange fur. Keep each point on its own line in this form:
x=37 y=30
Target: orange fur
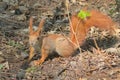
x=50 y=43
x=99 y=20
x=60 y=43
x=33 y=35
x=81 y=27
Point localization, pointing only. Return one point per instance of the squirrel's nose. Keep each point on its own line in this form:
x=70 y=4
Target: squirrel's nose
x=31 y=43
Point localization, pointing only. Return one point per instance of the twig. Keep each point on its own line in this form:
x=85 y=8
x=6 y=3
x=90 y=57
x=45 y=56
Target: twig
x=67 y=7
x=68 y=38
x=98 y=49
x=96 y=45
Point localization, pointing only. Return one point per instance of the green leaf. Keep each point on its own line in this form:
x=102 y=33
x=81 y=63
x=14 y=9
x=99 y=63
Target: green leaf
x=83 y=14
x=1 y=66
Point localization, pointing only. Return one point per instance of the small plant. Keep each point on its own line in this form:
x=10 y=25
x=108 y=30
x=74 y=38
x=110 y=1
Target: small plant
x=15 y=44
x=31 y=69
x=1 y=66
x=83 y=14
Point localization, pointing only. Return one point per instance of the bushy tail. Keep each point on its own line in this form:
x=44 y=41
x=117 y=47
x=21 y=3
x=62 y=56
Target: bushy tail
x=99 y=20
x=81 y=27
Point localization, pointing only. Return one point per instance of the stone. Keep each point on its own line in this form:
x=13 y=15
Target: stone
x=1 y=52
x=11 y=2
x=3 y=6
x=21 y=17
x=24 y=9
x=1 y=59
x=24 y=55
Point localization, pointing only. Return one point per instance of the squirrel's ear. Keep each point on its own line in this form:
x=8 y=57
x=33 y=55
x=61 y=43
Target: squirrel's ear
x=40 y=25
x=30 y=25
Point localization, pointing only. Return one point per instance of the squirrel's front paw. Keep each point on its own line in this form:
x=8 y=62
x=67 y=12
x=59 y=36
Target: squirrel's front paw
x=37 y=62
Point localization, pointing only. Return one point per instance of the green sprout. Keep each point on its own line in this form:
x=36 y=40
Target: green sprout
x=31 y=69
x=1 y=66
x=83 y=14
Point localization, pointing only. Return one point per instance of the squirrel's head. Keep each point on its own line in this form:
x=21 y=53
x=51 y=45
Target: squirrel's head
x=34 y=35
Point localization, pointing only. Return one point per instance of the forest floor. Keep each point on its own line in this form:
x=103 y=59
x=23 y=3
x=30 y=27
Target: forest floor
x=91 y=64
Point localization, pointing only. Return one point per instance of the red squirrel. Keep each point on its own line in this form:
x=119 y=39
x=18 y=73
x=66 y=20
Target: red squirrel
x=66 y=45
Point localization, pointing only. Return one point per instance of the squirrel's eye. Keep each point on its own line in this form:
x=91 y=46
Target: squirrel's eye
x=38 y=38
